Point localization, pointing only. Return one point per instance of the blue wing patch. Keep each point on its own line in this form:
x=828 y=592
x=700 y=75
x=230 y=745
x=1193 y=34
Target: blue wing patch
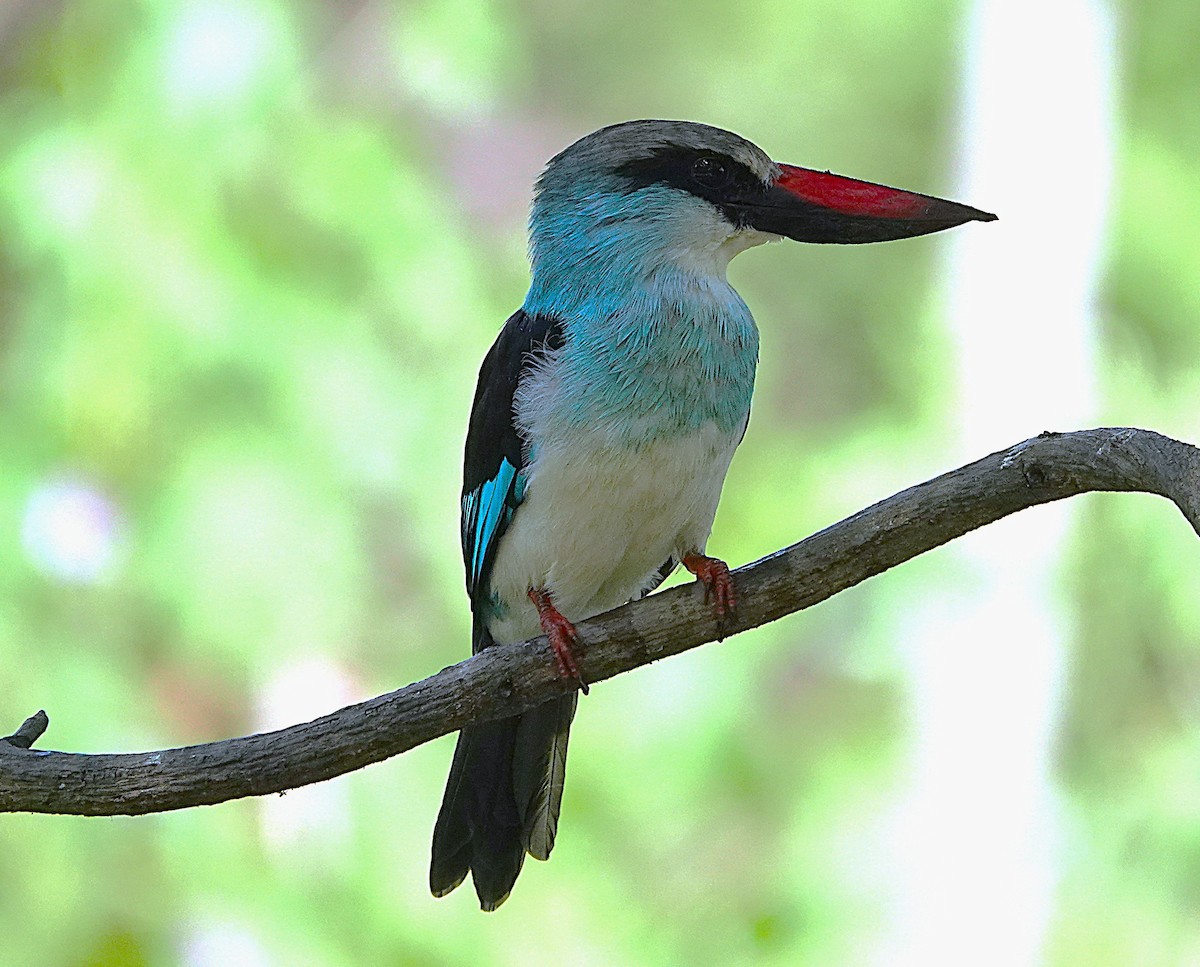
x=486 y=512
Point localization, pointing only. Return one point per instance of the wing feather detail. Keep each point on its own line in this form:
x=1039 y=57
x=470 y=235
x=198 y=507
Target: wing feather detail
x=493 y=482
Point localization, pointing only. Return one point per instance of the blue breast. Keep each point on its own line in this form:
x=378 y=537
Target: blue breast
x=661 y=367
x=656 y=341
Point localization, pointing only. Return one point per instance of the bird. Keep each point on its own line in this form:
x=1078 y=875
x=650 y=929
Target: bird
x=605 y=417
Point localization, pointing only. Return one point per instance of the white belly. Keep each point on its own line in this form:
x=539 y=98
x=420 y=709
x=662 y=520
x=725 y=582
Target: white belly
x=599 y=519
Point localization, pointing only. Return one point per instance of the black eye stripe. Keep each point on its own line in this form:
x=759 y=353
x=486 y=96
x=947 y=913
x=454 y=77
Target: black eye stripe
x=711 y=172
x=715 y=177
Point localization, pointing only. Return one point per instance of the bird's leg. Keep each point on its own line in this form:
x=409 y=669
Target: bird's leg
x=718 y=583
x=562 y=635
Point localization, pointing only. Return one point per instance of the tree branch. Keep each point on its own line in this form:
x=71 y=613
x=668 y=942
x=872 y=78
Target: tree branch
x=504 y=680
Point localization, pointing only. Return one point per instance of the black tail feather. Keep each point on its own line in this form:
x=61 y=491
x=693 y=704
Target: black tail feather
x=505 y=785
x=539 y=767
x=478 y=829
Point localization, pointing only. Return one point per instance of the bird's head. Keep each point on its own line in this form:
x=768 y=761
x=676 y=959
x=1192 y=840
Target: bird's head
x=642 y=194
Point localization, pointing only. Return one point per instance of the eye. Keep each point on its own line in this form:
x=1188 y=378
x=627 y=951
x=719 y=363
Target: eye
x=711 y=173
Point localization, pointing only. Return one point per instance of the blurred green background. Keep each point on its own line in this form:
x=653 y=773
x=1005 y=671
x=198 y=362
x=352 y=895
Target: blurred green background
x=251 y=254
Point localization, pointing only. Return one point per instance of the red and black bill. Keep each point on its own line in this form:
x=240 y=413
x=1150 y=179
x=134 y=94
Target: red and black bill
x=819 y=206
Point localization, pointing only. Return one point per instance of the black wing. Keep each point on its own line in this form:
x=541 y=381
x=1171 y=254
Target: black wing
x=493 y=484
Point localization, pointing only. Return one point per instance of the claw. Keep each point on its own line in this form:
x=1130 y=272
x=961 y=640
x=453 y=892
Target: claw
x=561 y=634
x=718 y=584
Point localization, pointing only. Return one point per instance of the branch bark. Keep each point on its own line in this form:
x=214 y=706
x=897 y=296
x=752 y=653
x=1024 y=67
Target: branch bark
x=504 y=680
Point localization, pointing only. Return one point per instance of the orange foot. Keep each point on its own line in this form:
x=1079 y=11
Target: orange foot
x=718 y=583
x=562 y=635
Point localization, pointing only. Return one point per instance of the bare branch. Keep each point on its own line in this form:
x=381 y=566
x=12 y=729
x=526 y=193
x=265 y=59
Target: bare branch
x=506 y=679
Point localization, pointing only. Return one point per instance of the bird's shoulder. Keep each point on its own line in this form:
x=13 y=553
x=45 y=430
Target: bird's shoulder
x=492 y=435
x=494 y=457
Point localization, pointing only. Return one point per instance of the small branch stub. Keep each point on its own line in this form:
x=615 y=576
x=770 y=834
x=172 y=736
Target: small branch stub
x=30 y=731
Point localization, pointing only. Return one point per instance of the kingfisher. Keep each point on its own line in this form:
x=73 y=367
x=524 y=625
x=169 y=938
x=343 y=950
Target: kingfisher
x=605 y=417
